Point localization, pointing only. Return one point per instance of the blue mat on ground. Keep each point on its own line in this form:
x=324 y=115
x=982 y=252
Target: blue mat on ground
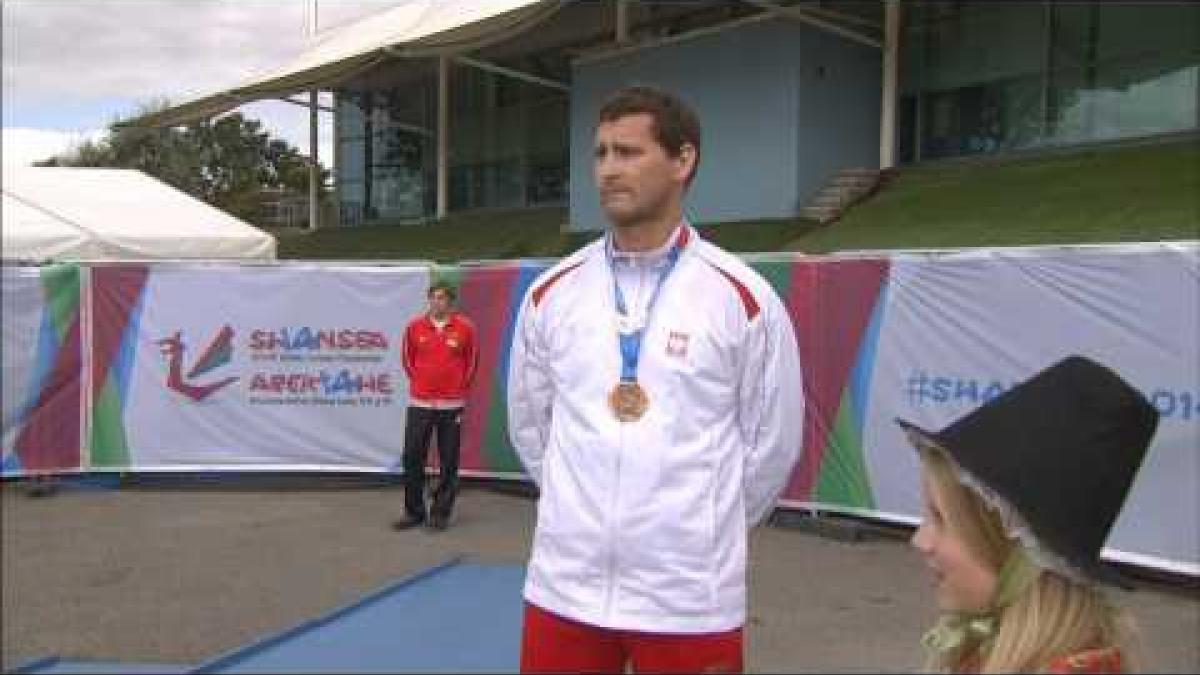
x=55 y=664
x=69 y=482
x=456 y=617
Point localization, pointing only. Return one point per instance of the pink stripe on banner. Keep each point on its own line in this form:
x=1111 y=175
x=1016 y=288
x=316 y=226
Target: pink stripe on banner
x=115 y=291
x=484 y=296
x=49 y=441
x=830 y=303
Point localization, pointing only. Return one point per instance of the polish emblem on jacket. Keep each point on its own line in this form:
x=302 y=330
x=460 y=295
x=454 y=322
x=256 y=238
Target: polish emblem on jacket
x=677 y=344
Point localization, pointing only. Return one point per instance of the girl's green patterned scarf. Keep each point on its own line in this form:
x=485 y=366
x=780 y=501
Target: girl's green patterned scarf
x=954 y=631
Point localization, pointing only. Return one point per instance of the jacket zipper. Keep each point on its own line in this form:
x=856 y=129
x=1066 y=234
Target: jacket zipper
x=613 y=530
x=610 y=589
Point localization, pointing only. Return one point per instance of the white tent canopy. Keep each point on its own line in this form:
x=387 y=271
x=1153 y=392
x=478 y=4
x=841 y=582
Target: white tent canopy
x=31 y=233
x=59 y=213
x=415 y=29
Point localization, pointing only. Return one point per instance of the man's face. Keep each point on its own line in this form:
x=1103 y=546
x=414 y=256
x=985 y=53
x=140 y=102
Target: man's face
x=439 y=303
x=637 y=180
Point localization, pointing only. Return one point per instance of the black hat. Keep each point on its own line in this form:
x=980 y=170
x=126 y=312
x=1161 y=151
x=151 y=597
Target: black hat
x=1061 y=449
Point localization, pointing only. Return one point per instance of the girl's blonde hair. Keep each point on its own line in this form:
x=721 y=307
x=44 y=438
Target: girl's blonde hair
x=1055 y=616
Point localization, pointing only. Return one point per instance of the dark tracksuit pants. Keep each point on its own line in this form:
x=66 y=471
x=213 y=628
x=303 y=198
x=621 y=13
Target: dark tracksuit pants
x=420 y=424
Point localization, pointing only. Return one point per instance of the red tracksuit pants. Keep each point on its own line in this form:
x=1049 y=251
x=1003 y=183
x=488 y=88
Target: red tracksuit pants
x=553 y=644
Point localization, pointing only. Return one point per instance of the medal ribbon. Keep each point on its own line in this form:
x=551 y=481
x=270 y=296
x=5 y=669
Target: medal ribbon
x=630 y=342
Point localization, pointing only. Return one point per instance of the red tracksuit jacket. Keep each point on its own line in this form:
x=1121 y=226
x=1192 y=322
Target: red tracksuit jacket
x=440 y=363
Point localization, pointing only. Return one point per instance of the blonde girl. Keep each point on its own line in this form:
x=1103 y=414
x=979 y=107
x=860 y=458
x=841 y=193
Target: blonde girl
x=1019 y=496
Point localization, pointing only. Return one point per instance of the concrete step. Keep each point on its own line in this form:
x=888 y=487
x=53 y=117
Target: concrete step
x=859 y=171
x=839 y=196
x=820 y=214
x=844 y=189
x=854 y=181
x=831 y=199
x=822 y=208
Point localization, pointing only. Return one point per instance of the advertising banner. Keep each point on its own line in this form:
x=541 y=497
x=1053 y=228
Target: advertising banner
x=945 y=333
x=296 y=366
x=243 y=367
x=42 y=370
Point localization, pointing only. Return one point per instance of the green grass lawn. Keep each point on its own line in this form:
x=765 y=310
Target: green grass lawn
x=1142 y=193
x=479 y=235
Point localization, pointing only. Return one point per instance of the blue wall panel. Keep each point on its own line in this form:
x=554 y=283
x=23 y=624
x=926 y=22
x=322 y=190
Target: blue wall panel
x=782 y=106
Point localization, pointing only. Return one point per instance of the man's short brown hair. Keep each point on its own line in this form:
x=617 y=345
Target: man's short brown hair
x=675 y=123
x=442 y=286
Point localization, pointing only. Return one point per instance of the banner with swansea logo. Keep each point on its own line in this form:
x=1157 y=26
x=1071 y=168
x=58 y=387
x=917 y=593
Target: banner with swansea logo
x=204 y=366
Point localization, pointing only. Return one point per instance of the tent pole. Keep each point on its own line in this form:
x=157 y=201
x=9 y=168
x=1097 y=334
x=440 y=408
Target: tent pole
x=891 y=63
x=622 y=35
x=314 y=166
x=443 y=134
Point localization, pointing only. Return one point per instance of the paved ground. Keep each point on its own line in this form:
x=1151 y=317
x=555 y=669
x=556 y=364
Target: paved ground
x=172 y=575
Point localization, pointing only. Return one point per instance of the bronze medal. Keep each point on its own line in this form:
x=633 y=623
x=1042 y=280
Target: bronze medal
x=628 y=401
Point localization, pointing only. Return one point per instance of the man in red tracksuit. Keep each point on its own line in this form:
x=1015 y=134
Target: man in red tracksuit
x=440 y=355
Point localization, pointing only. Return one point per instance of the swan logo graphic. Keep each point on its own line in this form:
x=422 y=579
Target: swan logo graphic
x=217 y=354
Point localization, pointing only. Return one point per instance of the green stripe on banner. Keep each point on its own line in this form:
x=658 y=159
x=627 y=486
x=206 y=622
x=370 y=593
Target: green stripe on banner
x=109 y=448
x=501 y=456
x=60 y=283
x=498 y=451
x=843 y=477
x=778 y=273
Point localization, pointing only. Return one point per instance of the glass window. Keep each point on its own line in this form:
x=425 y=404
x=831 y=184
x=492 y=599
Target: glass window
x=1107 y=80
x=987 y=77
x=508 y=141
x=387 y=153
x=508 y=146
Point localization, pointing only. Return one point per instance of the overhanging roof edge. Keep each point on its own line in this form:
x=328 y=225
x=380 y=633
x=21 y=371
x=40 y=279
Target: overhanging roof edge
x=439 y=43
x=286 y=85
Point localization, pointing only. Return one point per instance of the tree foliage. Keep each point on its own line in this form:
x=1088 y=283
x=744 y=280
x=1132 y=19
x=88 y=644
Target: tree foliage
x=229 y=162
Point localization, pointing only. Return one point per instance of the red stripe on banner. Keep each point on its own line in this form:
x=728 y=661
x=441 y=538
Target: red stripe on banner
x=115 y=294
x=802 y=306
x=49 y=441
x=484 y=297
x=830 y=303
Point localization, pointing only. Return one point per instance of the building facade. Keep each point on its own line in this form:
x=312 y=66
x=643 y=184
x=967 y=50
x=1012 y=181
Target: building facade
x=995 y=77
x=785 y=101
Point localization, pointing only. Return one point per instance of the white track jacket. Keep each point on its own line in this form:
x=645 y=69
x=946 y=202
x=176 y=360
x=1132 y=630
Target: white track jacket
x=643 y=525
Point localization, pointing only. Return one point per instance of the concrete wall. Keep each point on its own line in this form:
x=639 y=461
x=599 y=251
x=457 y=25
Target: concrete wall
x=782 y=106
x=837 y=122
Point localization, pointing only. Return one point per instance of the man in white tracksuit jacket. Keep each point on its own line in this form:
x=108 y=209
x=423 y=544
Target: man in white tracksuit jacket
x=655 y=399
